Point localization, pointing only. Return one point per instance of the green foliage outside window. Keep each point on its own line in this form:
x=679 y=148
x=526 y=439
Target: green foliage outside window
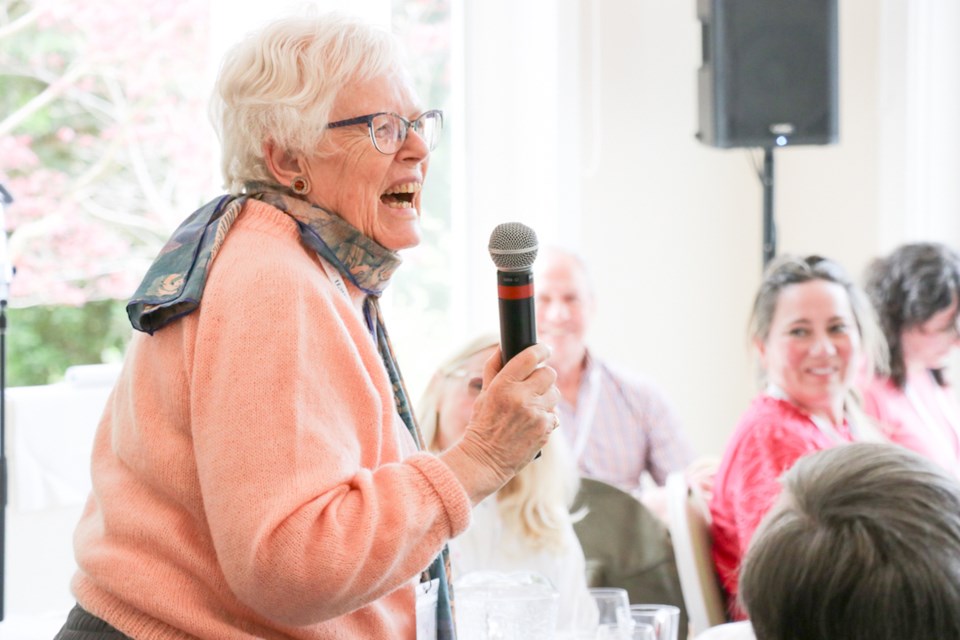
x=106 y=147
x=103 y=147
x=42 y=341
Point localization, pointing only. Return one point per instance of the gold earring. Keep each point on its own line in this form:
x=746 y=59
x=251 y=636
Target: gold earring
x=300 y=185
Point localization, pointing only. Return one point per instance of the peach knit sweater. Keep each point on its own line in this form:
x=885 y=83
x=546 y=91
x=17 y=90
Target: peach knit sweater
x=250 y=472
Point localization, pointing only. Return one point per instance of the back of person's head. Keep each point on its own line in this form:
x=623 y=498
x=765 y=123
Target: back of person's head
x=863 y=544
x=536 y=502
x=281 y=82
x=788 y=270
x=907 y=288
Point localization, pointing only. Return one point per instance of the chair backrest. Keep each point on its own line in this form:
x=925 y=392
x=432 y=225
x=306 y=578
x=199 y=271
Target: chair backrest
x=689 y=524
x=626 y=546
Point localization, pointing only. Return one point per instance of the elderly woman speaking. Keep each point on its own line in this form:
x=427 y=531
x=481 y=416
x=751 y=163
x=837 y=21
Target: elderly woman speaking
x=256 y=472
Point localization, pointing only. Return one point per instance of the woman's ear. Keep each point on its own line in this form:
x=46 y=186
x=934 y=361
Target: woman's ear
x=282 y=166
x=761 y=347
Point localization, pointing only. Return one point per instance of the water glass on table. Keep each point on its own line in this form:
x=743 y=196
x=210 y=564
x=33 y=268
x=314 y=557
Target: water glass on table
x=664 y=618
x=642 y=631
x=613 y=611
x=505 y=606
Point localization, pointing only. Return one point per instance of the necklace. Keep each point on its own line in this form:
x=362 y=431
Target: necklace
x=825 y=427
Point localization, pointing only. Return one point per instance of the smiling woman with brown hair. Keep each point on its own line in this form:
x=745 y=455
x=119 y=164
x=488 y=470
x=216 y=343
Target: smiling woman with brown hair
x=814 y=332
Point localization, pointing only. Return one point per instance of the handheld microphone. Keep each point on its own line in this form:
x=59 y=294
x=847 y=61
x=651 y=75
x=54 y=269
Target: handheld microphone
x=513 y=248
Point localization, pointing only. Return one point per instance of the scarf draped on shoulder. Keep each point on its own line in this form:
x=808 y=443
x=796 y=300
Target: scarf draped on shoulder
x=174 y=282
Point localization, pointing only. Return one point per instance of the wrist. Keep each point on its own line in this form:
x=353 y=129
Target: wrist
x=475 y=470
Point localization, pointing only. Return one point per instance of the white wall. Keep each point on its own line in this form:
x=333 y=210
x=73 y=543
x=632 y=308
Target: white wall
x=518 y=122
x=920 y=100
x=672 y=228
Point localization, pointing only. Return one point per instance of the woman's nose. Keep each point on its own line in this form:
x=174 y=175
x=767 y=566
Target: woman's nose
x=414 y=146
x=556 y=311
x=823 y=344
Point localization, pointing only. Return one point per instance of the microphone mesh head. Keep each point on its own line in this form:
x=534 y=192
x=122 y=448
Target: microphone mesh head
x=513 y=246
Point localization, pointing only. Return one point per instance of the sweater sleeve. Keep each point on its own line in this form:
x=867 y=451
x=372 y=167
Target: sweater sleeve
x=770 y=437
x=765 y=453
x=774 y=438
x=311 y=509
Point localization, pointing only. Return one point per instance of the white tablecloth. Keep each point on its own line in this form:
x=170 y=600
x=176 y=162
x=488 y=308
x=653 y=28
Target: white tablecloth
x=50 y=432
x=49 y=437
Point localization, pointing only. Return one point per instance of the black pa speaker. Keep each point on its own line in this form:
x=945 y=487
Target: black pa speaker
x=769 y=73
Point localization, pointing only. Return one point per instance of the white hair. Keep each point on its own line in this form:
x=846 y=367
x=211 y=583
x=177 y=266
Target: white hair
x=280 y=83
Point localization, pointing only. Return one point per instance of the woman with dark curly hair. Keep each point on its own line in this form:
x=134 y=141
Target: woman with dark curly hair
x=916 y=293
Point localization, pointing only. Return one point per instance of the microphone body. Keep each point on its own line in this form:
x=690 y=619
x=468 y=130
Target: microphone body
x=513 y=248
x=518 y=324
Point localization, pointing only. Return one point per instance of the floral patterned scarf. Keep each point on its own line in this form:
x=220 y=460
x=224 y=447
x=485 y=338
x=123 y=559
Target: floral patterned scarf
x=174 y=283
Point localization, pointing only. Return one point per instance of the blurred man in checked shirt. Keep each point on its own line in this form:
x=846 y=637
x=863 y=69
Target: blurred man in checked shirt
x=620 y=426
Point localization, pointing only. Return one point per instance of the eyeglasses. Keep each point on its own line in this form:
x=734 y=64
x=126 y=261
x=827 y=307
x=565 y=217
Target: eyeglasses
x=388 y=131
x=471 y=380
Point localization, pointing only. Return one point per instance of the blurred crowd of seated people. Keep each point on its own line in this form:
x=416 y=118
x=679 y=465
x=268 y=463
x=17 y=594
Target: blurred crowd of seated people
x=840 y=364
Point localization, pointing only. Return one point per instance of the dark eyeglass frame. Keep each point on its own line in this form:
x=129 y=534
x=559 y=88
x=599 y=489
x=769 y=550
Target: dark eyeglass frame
x=415 y=124
x=474 y=381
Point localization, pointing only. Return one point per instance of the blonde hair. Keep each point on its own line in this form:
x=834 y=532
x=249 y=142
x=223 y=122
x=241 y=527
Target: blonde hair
x=280 y=83
x=535 y=503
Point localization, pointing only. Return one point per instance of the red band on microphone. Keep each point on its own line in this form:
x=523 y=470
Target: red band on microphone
x=519 y=292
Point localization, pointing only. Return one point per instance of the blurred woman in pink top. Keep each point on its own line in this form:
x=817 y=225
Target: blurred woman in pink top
x=813 y=330
x=916 y=293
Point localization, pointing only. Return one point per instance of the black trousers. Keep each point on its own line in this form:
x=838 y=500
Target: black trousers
x=83 y=625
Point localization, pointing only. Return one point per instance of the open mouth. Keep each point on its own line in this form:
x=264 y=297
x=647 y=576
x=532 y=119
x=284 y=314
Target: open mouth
x=401 y=196
x=822 y=371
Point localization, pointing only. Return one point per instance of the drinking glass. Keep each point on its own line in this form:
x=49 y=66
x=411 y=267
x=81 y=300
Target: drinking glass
x=613 y=613
x=505 y=606
x=664 y=618
x=643 y=631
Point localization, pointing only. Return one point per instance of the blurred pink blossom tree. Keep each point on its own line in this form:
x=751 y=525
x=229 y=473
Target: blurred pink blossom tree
x=105 y=146
x=104 y=140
